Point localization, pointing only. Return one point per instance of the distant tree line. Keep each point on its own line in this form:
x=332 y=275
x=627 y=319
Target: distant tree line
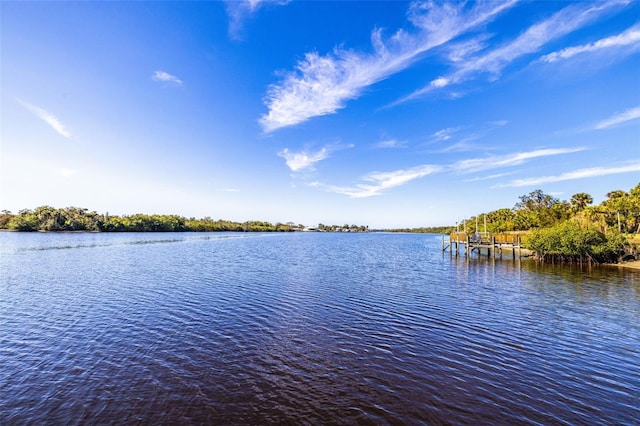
x=46 y=218
x=426 y=230
x=344 y=228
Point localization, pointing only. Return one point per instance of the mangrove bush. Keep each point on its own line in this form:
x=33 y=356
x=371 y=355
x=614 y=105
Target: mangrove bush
x=570 y=242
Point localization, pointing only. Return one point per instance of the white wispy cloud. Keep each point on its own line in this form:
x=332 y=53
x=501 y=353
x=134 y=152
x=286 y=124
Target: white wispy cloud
x=445 y=134
x=462 y=138
x=495 y=176
x=391 y=143
x=48 y=118
x=563 y=22
x=623 y=117
x=303 y=160
x=576 y=174
x=306 y=159
x=378 y=182
x=629 y=38
x=321 y=85
x=239 y=10
x=166 y=77
x=462 y=145
x=493 y=162
x=460 y=51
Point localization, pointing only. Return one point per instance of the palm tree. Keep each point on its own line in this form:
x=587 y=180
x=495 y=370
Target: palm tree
x=581 y=200
x=618 y=193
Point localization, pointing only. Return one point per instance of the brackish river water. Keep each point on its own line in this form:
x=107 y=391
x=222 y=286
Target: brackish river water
x=308 y=328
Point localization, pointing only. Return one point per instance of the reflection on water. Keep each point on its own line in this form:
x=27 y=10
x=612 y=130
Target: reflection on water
x=607 y=275
x=308 y=328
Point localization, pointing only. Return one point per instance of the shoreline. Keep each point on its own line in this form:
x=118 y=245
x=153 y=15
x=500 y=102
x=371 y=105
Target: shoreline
x=631 y=264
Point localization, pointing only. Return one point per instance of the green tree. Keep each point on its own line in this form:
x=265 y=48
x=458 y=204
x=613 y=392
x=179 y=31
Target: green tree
x=580 y=201
x=5 y=217
x=536 y=200
x=538 y=209
x=501 y=220
x=617 y=208
x=634 y=208
x=25 y=220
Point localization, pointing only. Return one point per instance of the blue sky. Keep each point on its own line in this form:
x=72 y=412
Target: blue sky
x=387 y=114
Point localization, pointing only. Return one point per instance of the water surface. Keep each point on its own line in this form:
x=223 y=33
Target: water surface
x=308 y=328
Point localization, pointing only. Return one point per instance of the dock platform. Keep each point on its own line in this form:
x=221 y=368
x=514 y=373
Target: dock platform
x=483 y=242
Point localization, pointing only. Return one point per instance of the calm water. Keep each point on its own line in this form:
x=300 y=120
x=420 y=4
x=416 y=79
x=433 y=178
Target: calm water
x=307 y=328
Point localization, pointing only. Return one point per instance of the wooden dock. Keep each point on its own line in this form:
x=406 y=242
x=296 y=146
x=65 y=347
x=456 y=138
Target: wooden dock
x=496 y=244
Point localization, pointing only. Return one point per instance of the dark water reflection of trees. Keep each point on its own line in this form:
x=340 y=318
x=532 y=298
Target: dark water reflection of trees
x=598 y=278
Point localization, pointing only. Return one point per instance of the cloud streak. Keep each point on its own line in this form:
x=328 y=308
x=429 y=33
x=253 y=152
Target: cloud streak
x=321 y=85
x=297 y=161
x=493 y=62
x=48 y=118
x=165 y=77
x=378 y=182
x=629 y=38
x=493 y=162
x=391 y=143
x=628 y=115
x=239 y=10
x=445 y=134
x=576 y=174
x=495 y=176
x=305 y=160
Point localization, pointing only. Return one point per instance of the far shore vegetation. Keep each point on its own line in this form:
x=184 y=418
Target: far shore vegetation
x=572 y=231
x=69 y=219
